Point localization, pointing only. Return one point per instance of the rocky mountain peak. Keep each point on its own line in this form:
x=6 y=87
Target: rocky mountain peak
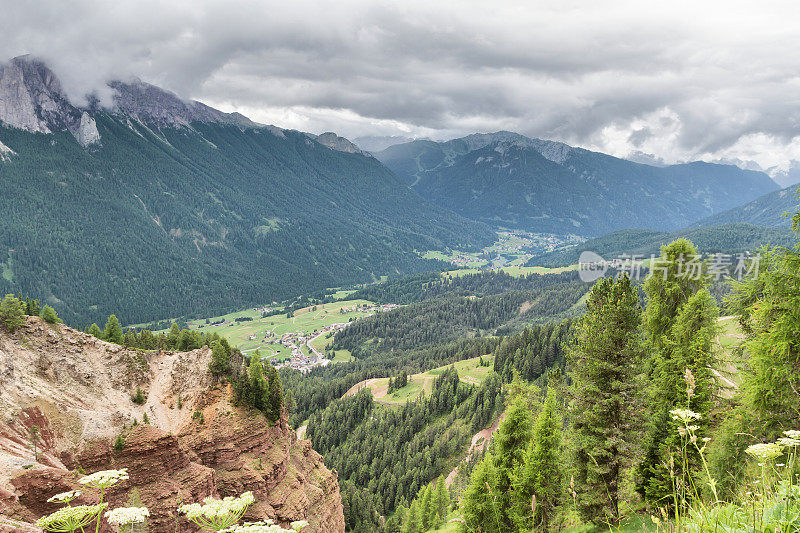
x=334 y=142
x=32 y=99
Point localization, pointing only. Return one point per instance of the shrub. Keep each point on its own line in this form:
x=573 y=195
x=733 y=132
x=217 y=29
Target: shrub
x=48 y=314
x=12 y=312
x=119 y=442
x=139 y=398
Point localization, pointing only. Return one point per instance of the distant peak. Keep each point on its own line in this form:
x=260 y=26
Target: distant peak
x=335 y=142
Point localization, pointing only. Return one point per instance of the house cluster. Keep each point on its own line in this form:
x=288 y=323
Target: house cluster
x=369 y=308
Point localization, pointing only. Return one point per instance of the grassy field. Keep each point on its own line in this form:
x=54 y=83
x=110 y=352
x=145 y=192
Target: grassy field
x=469 y=371
x=516 y=271
x=306 y=320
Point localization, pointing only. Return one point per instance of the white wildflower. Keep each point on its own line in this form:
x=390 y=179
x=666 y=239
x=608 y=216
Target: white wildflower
x=71 y=518
x=64 y=497
x=124 y=516
x=764 y=452
x=685 y=415
x=788 y=442
x=267 y=526
x=220 y=514
x=792 y=434
x=104 y=478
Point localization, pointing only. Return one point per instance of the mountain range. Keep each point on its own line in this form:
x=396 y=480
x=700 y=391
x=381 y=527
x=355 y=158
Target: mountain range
x=772 y=209
x=167 y=208
x=511 y=181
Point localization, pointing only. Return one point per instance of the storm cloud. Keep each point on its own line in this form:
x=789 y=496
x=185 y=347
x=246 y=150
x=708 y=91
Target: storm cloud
x=680 y=80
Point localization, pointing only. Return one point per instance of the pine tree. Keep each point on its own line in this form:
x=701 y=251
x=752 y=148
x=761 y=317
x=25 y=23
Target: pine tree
x=679 y=325
x=767 y=306
x=413 y=519
x=426 y=509
x=12 y=312
x=512 y=439
x=49 y=315
x=603 y=360
x=275 y=396
x=32 y=307
x=113 y=330
x=480 y=503
x=220 y=358
x=441 y=500
x=95 y=331
x=540 y=474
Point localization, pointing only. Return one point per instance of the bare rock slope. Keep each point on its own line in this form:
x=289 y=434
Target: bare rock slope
x=77 y=391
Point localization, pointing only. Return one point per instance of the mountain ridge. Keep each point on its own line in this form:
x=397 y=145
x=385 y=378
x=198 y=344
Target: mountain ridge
x=511 y=181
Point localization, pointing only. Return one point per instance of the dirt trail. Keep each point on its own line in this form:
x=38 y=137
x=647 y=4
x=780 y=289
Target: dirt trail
x=479 y=442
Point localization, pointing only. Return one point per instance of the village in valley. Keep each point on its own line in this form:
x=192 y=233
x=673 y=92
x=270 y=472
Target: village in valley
x=298 y=339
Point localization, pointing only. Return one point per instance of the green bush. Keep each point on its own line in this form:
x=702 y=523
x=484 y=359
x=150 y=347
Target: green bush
x=48 y=314
x=139 y=398
x=12 y=312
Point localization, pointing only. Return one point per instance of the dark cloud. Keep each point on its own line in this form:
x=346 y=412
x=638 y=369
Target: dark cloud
x=681 y=80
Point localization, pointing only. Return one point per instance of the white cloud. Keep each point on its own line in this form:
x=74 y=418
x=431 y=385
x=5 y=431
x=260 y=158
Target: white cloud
x=682 y=80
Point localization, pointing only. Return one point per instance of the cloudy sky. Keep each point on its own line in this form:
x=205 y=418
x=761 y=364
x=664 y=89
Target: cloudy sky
x=680 y=80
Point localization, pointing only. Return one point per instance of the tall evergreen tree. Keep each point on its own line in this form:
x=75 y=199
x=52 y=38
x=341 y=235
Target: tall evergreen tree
x=413 y=522
x=113 y=330
x=481 y=504
x=441 y=499
x=512 y=439
x=680 y=324
x=769 y=310
x=274 y=401
x=12 y=312
x=604 y=361
x=540 y=474
x=95 y=331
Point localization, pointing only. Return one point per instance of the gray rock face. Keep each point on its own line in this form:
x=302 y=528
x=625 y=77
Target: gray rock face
x=32 y=99
x=152 y=105
x=87 y=133
x=5 y=152
x=334 y=142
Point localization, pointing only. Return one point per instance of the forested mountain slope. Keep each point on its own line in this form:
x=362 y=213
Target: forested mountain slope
x=767 y=210
x=726 y=239
x=509 y=180
x=170 y=208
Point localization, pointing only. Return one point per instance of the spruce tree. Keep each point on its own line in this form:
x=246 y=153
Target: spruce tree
x=113 y=330
x=413 y=519
x=604 y=359
x=768 y=309
x=220 y=358
x=512 y=440
x=95 y=331
x=679 y=325
x=441 y=500
x=426 y=508
x=540 y=474
x=275 y=395
x=481 y=504
x=12 y=312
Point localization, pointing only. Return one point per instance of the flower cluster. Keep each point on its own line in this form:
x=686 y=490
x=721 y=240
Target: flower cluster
x=684 y=415
x=764 y=451
x=124 y=516
x=64 y=497
x=217 y=514
x=104 y=478
x=71 y=518
x=267 y=526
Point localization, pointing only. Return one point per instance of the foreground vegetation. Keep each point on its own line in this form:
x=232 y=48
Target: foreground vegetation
x=641 y=424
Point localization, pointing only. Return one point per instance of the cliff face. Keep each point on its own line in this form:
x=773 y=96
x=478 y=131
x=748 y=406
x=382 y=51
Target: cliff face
x=76 y=390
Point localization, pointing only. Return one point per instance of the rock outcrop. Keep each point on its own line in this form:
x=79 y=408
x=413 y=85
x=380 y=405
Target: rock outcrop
x=76 y=390
x=340 y=144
